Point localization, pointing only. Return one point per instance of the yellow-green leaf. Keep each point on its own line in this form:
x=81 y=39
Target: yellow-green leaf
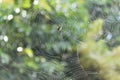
x=29 y=52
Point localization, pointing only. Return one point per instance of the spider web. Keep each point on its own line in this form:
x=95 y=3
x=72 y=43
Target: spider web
x=75 y=71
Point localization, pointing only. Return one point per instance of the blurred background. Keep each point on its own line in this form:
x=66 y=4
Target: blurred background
x=59 y=40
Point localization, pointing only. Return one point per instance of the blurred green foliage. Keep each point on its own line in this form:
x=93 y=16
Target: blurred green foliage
x=38 y=36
